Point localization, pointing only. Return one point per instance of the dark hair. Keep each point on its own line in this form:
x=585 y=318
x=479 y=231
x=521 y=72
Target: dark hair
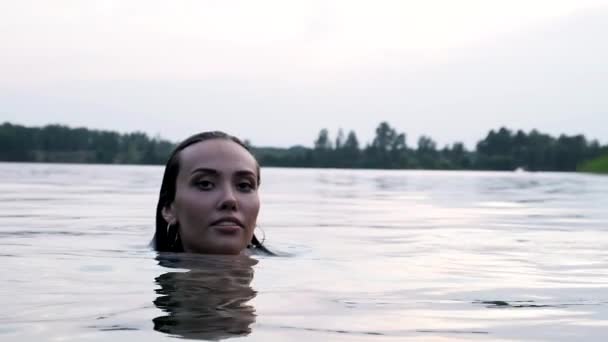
x=168 y=240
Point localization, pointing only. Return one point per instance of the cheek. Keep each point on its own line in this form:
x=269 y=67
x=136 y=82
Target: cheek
x=251 y=208
x=191 y=203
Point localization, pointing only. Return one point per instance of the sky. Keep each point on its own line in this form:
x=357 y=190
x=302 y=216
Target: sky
x=276 y=72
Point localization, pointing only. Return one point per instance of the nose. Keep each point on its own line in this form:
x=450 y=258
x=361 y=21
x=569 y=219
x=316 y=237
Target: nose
x=227 y=200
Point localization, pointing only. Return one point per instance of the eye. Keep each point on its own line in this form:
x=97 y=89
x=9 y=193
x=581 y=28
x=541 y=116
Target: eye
x=245 y=186
x=204 y=185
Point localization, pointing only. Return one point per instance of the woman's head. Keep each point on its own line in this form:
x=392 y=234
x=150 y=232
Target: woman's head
x=208 y=200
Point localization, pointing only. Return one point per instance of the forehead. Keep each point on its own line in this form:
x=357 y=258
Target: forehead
x=219 y=154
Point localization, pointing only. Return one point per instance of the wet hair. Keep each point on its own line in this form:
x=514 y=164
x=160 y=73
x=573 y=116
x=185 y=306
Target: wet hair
x=166 y=238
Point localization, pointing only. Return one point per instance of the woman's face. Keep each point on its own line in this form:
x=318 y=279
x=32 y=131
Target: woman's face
x=216 y=197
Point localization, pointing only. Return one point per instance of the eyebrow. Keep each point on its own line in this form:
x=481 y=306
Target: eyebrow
x=204 y=170
x=215 y=172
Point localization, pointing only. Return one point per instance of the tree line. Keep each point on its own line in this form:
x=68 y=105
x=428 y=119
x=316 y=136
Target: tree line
x=501 y=149
x=62 y=144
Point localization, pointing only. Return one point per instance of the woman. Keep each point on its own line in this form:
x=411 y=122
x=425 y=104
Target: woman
x=209 y=200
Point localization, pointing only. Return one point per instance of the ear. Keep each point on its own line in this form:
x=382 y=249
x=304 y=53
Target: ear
x=168 y=213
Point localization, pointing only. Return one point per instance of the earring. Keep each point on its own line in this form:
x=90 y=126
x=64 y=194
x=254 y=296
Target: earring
x=168 y=227
x=172 y=245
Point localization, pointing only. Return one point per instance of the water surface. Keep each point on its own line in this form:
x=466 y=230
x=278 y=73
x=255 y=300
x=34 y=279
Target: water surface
x=368 y=256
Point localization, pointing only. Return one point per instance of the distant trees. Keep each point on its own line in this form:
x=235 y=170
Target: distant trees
x=597 y=165
x=426 y=153
x=501 y=149
x=387 y=150
x=57 y=143
x=350 y=153
x=505 y=150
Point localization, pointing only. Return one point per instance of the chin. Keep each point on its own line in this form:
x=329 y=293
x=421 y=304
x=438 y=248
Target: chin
x=228 y=245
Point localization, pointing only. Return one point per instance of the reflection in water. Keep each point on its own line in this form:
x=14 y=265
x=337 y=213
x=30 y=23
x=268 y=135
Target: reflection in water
x=209 y=300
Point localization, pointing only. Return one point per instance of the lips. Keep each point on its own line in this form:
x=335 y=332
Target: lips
x=227 y=222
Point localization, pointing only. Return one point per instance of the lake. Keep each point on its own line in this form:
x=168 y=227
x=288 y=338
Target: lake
x=365 y=255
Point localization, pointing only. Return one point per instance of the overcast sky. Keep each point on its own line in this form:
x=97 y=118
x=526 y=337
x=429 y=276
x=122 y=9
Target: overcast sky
x=276 y=72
